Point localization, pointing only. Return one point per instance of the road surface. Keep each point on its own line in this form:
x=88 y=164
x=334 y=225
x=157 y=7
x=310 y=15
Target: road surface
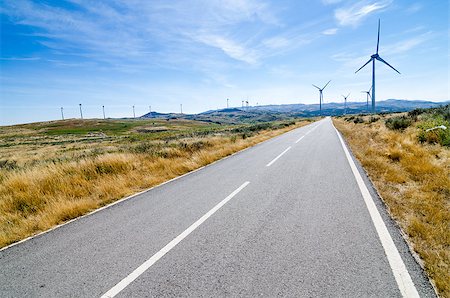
x=292 y=216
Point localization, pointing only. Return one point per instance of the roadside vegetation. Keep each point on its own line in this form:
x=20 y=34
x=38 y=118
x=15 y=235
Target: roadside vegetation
x=410 y=167
x=55 y=171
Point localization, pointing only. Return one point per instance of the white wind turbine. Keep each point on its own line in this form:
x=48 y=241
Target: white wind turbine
x=321 y=95
x=345 y=103
x=372 y=59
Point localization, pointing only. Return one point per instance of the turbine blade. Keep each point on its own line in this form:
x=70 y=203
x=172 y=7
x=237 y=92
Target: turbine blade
x=370 y=60
x=378 y=40
x=326 y=84
x=316 y=86
x=381 y=59
x=348 y=95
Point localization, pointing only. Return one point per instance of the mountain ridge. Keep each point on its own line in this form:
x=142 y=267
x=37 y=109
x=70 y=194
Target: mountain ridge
x=289 y=111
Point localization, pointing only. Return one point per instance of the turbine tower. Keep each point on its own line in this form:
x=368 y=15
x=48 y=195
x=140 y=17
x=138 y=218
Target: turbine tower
x=367 y=98
x=345 y=103
x=372 y=59
x=321 y=95
x=81 y=112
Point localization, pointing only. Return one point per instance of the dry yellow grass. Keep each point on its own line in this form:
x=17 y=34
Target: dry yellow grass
x=414 y=182
x=55 y=183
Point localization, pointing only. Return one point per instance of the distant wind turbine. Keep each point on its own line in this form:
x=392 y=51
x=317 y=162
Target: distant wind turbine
x=367 y=98
x=81 y=112
x=372 y=59
x=321 y=95
x=345 y=103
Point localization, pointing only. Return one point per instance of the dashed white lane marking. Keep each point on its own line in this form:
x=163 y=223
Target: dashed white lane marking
x=275 y=159
x=309 y=131
x=147 y=264
x=401 y=274
x=299 y=139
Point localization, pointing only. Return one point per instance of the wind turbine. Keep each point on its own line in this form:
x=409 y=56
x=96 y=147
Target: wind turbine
x=367 y=98
x=321 y=95
x=372 y=59
x=345 y=103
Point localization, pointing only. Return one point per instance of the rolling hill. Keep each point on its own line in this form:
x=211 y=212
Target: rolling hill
x=289 y=111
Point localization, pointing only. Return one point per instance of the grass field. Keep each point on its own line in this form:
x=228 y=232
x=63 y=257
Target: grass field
x=410 y=167
x=52 y=172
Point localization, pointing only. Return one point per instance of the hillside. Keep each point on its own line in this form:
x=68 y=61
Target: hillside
x=290 y=111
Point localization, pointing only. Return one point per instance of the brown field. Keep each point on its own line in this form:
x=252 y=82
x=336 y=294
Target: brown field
x=414 y=181
x=55 y=171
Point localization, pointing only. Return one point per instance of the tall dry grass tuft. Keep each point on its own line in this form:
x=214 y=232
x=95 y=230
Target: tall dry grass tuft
x=414 y=181
x=39 y=194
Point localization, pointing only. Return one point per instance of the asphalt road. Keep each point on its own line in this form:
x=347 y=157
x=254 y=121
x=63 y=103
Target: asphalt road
x=284 y=218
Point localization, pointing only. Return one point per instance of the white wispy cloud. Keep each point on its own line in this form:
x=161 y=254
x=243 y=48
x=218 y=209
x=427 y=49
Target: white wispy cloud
x=352 y=15
x=277 y=42
x=230 y=47
x=330 y=31
x=406 y=45
x=156 y=32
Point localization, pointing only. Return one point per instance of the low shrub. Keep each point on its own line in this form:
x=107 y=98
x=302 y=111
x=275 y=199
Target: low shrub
x=8 y=164
x=373 y=119
x=416 y=112
x=435 y=136
x=358 y=120
x=398 y=123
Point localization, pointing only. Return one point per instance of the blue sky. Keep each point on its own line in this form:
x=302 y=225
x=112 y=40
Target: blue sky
x=120 y=53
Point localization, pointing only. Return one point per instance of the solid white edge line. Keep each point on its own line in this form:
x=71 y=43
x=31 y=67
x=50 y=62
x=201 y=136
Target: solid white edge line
x=141 y=192
x=275 y=159
x=401 y=274
x=153 y=259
